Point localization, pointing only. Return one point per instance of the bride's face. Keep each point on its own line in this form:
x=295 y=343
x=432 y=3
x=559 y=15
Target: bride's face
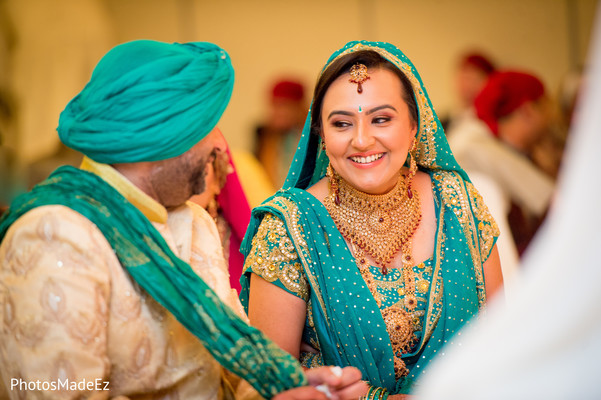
x=368 y=134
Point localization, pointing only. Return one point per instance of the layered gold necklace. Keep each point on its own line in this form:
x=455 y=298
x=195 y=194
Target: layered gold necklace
x=380 y=225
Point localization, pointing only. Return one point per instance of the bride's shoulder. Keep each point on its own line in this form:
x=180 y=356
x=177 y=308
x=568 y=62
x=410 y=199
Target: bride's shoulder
x=320 y=189
x=423 y=178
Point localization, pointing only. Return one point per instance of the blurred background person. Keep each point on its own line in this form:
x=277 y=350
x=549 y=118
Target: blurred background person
x=512 y=115
x=471 y=75
x=253 y=177
x=548 y=152
x=278 y=136
x=226 y=202
x=11 y=180
x=570 y=87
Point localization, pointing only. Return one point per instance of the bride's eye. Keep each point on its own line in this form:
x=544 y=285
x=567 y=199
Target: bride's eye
x=380 y=120
x=341 y=124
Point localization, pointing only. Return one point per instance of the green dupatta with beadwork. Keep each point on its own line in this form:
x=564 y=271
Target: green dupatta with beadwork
x=148 y=259
x=349 y=325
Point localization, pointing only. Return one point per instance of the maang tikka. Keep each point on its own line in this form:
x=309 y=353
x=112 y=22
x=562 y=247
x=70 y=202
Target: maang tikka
x=359 y=75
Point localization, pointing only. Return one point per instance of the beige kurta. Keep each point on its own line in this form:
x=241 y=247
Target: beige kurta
x=68 y=310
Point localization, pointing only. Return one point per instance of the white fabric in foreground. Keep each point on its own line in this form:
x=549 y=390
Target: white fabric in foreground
x=545 y=343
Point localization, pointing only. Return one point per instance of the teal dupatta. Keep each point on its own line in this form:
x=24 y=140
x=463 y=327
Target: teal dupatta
x=348 y=322
x=148 y=259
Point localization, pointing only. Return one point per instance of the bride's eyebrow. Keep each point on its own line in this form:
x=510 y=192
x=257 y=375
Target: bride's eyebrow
x=373 y=110
x=340 y=112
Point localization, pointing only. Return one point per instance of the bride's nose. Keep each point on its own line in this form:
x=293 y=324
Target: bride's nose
x=362 y=137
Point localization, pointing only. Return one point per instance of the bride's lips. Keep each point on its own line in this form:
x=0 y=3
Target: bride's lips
x=366 y=160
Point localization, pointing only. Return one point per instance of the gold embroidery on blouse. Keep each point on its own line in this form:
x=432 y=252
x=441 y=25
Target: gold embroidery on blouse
x=487 y=225
x=455 y=195
x=273 y=257
x=289 y=210
x=437 y=287
x=311 y=360
x=310 y=314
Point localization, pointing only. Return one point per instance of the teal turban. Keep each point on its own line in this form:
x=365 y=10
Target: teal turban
x=148 y=101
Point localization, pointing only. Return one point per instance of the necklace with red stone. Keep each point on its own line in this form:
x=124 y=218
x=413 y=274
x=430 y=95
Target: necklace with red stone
x=380 y=225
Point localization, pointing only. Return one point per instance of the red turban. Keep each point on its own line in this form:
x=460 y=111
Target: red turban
x=504 y=93
x=288 y=90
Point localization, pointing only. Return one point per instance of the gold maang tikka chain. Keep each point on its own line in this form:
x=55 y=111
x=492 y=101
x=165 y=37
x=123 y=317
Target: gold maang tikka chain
x=380 y=225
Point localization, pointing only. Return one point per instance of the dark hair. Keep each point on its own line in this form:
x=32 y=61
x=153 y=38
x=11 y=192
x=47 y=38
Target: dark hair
x=369 y=58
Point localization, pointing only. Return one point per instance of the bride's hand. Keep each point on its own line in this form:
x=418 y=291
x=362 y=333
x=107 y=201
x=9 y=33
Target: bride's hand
x=343 y=383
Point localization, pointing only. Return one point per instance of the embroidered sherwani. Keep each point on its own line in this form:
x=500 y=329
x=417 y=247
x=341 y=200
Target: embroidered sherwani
x=70 y=311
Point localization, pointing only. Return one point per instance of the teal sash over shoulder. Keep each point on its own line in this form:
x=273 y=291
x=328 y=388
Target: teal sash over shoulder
x=146 y=256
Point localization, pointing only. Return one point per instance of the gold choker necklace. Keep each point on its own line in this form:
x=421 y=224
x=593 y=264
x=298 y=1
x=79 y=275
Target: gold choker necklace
x=380 y=225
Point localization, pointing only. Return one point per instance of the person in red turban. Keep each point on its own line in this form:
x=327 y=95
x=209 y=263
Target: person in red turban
x=512 y=114
x=514 y=106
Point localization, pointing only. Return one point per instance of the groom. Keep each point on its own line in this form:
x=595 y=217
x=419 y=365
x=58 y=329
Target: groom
x=111 y=283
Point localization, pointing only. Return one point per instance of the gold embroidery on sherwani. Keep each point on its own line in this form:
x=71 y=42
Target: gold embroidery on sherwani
x=109 y=326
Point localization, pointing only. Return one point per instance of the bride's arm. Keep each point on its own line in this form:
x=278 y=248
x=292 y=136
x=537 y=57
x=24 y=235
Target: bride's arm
x=493 y=277
x=278 y=313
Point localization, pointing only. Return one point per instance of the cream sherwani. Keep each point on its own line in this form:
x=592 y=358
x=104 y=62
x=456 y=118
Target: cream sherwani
x=70 y=311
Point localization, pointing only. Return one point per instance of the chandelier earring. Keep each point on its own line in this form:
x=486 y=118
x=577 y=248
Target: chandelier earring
x=412 y=168
x=333 y=180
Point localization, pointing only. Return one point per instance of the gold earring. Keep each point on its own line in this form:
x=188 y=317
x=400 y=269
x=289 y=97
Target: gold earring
x=333 y=180
x=412 y=168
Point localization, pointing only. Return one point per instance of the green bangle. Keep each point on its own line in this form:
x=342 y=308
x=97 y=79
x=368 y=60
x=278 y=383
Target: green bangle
x=375 y=393
x=380 y=393
x=370 y=392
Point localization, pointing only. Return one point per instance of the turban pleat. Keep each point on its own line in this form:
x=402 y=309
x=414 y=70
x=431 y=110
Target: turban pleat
x=148 y=101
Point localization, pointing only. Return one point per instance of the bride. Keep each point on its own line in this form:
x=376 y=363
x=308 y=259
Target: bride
x=378 y=249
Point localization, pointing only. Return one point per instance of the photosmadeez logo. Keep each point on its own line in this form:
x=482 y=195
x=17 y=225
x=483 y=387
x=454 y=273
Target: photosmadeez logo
x=60 y=384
